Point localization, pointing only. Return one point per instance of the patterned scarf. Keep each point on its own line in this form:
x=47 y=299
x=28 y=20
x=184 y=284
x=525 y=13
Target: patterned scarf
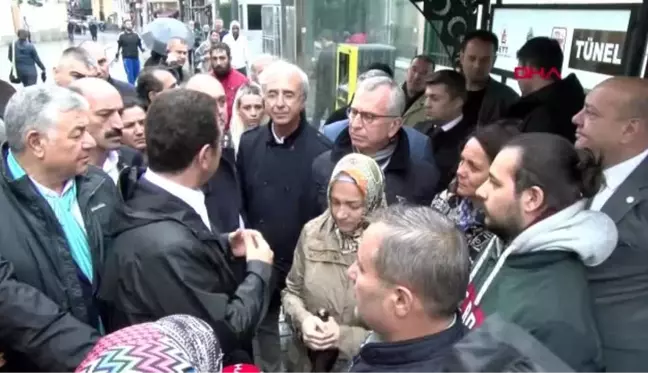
x=173 y=344
x=367 y=175
x=63 y=210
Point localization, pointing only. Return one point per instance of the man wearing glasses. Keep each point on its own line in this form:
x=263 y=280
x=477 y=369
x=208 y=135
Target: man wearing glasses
x=375 y=129
x=75 y=64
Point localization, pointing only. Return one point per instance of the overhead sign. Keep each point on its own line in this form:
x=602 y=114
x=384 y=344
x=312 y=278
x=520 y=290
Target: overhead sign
x=572 y=28
x=597 y=51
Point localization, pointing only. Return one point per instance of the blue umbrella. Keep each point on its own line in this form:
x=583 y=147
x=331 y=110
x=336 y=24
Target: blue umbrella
x=157 y=33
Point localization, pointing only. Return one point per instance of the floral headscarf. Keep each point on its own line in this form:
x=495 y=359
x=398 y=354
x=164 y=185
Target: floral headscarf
x=366 y=174
x=173 y=344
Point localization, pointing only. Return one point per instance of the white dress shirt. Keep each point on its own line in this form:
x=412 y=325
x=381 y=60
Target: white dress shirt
x=451 y=124
x=277 y=139
x=195 y=198
x=111 y=165
x=76 y=210
x=614 y=177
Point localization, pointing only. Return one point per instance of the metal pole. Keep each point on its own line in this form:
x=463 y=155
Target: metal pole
x=636 y=42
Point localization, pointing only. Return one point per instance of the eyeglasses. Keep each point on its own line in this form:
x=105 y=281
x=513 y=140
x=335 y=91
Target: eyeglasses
x=365 y=116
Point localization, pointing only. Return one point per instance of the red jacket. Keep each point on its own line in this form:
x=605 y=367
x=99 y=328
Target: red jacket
x=231 y=83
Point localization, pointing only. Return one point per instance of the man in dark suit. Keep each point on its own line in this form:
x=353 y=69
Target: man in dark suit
x=98 y=53
x=614 y=124
x=445 y=96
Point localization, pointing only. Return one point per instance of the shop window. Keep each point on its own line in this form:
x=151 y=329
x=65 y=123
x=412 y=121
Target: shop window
x=254 y=18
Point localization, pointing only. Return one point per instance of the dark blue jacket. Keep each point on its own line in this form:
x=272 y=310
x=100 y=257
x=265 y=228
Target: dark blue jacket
x=426 y=354
x=26 y=58
x=420 y=145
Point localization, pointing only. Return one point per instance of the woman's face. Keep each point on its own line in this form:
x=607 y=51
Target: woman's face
x=133 y=131
x=214 y=37
x=250 y=109
x=347 y=206
x=473 y=168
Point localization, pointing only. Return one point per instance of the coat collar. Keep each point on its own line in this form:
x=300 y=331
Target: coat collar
x=400 y=160
x=628 y=194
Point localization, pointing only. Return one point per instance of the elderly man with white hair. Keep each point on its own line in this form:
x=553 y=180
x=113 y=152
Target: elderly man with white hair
x=274 y=162
x=375 y=129
x=55 y=210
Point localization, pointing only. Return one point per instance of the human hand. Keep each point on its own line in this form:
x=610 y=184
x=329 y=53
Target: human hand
x=256 y=247
x=237 y=244
x=333 y=329
x=43 y=76
x=315 y=334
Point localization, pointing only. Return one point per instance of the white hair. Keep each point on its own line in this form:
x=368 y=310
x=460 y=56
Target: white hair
x=284 y=68
x=37 y=108
x=396 y=102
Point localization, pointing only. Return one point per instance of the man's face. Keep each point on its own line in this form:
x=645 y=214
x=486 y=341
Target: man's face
x=220 y=63
x=417 y=75
x=601 y=125
x=105 y=123
x=372 y=295
x=71 y=70
x=221 y=106
x=168 y=81
x=218 y=25
x=98 y=53
x=128 y=25
x=66 y=147
x=133 y=131
x=177 y=53
x=214 y=37
x=440 y=105
x=235 y=31
x=477 y=60
x=284 y=98
x=502 y=205
x=370 y=123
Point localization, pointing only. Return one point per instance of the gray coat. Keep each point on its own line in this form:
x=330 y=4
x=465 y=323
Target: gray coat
x=620 y=285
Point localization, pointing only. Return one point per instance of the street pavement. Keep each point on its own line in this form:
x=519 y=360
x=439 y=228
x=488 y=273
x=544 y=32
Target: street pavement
x=50 y=52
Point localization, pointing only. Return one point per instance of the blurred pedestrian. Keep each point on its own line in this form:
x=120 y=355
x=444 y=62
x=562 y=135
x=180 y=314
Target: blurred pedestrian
x=24 y=58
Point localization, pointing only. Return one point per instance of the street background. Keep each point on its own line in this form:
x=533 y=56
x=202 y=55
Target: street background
x=50 y=52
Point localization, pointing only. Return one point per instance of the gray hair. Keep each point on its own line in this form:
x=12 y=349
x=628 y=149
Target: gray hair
x=79 y=54
x=396 y=94
x=283 y=68
x=3 y=134
x=423 y=250
x=37 y=108
x=373 y=73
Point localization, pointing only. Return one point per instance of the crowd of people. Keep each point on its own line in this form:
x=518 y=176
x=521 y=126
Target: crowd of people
x=170 y=223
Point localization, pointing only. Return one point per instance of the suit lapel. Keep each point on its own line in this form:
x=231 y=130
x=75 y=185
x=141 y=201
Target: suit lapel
x=628 y=193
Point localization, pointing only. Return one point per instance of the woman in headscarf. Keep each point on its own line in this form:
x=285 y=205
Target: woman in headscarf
x=202 y=52
x=326 y=248
x=459 y=202
x=247 y=111
x=173 y=344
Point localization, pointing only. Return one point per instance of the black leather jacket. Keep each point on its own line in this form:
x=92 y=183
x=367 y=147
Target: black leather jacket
x=164 y=261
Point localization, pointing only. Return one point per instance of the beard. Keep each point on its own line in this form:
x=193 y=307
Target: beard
x=508 y=226
x=222 y=71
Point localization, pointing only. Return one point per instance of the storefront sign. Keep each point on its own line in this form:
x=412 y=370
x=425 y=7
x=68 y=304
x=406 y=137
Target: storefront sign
x=572 y=28
x=597 y=51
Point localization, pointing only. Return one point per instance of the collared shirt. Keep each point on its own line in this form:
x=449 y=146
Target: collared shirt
x=278 y=140
x=451 y=124
x=614 y=177
x=195 y=198
x=76 y=210
x=111 y=165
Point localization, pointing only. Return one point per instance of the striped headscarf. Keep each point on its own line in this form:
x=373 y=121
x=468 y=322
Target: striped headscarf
x=173 y=344
x=366 y=174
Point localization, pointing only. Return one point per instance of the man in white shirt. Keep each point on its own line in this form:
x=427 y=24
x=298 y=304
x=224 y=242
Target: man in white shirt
x=238 y=46
x=165 y=257
x=106 y=126
x=614 y=124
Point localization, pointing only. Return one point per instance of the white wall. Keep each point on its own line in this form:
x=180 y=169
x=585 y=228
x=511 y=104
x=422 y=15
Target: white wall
x=45 y=23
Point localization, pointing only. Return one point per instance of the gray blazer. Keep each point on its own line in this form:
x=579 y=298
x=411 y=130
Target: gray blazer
x=620 y=285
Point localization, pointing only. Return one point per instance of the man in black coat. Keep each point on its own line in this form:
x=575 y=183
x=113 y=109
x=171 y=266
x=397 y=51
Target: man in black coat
x=223 y=190
x=548 y=103
x=55 y=211
x=166 y=256
x=98 y=53
x=375 y=130
x=274 y=162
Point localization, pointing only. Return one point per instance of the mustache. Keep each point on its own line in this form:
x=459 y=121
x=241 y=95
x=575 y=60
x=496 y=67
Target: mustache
x=113 y=133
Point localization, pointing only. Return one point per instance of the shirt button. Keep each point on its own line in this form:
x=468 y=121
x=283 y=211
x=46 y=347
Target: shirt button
x=630 y=199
